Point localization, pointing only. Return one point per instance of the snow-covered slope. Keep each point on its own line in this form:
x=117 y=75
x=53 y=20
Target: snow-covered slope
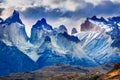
x=101 y=44
x=97 y=45
x=111 y=26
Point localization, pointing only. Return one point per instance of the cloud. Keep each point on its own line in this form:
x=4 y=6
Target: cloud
x=16 y=3
x=95 y=2
x=70 y=5
x=104 y=8
x=1 y=1
x=89 y=9
x=74 y=9
x=39 y=12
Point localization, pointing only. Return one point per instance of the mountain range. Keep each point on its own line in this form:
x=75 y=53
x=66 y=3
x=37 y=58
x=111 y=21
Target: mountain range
x=96 y=44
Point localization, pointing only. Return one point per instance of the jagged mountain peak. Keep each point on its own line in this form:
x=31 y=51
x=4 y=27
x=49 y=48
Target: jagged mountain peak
x=62 y=26
x=40 y=30
x=87 y=25
x=70 y=37
x=114 y=19
x=109 y=20
x=16 y=13
x=97 y=19
x=43 y=20
x=94 y=17
x=14 y=18
x=73 y=31
x=40 y=24
x=62 y=29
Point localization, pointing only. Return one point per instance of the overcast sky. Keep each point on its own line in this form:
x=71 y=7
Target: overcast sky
x=70 y=13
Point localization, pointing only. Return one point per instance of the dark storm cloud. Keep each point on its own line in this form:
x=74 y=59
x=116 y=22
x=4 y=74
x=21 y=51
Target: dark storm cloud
x=38 y=12
x=80 y=13
x=108 y=7
x=105 y=8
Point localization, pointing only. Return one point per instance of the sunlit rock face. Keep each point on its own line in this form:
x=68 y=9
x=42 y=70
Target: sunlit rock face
x=89 y=26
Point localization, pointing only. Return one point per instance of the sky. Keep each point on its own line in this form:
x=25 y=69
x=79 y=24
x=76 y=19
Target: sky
x=70 y=13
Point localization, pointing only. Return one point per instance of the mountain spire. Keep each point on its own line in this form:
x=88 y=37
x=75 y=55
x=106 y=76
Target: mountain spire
x=40 y=24
x=43 y=21
x=74 y=31
x=14 y=18
x=62 y=29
